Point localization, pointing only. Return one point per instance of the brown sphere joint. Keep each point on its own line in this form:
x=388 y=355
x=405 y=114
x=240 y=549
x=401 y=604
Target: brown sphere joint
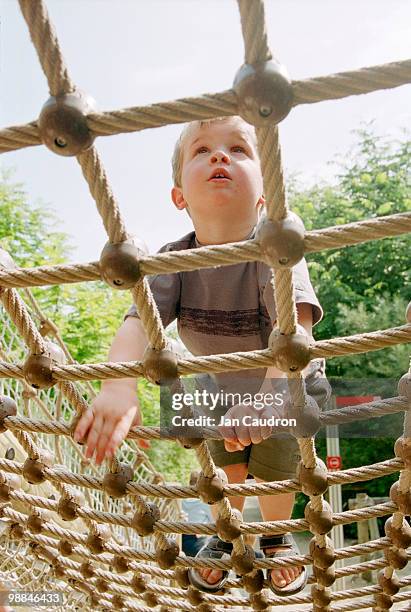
x=390 y=586
x=115 y=484
x=404 y=386
x=138 y=583
x=34 y=470
x=205 y=607
x=102 y=585
x=120 y=263
x=397 y=558
x=228 y=529
x=321 y=597
x=400 y=536
x=190 y=442
x=63 y=123
x=8 y=408
x=307 y=416
x=38 y=369
x=59 y=570
x=87 y=570
x=291 y=352
x=383 y=601
x=16 y=531
x=243 y=563
x=145 y=518
x=211 y=489
x=264 y=92
x=151 y=599
x=313 y=481
x=160 y=366
x=69 y=505
x=402 y=450
x=3 y=508
x=321 y=522
x=281 y=241
x=166 y=557
x=181 y=577
x=194 y=596
x=325 y=577
x=323 y=557
x=120 y=564
x=35 y=521
x=254 y=582
x=96 y=541
x=65 y=547
x=401 y=499
x=118 y=602
x=8 y=484
x=259 y=601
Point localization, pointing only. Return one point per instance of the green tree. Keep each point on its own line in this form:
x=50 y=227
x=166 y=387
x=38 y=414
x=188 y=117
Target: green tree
x=364 y=287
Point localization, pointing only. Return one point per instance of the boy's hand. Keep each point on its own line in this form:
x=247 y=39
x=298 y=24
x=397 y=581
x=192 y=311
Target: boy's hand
x=237 y=437
x=108 y=421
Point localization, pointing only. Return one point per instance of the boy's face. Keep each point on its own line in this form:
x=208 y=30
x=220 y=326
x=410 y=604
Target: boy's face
x=221 y=173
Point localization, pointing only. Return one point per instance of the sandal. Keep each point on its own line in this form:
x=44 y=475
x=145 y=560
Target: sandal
x=214 y=549
x=288 y=546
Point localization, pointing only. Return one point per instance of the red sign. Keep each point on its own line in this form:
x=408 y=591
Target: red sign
x=334 y=462
x=354 y=400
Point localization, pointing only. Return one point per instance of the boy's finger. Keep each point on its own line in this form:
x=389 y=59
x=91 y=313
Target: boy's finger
x=227 y=433
x=94 y=435
x=83 y=425
x=119 y=434
x=243 y=435
x=102 y=443
x=256 y=435
x=231 y=447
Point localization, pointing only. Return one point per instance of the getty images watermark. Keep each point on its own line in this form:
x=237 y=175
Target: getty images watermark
x=199 y=406
x=210 y=402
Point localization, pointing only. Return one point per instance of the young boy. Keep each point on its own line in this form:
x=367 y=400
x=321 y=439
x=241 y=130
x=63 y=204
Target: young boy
x=217 y=179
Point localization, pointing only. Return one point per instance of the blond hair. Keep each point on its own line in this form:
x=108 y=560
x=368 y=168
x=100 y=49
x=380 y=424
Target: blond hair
x=177 y=159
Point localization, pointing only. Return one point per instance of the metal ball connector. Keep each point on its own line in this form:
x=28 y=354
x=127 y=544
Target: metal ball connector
x=264 y=93
x=120 y=263
x=63 y=123
x=282 y=241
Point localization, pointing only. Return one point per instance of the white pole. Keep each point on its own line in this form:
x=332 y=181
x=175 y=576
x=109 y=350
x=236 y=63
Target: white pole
x=337 y=533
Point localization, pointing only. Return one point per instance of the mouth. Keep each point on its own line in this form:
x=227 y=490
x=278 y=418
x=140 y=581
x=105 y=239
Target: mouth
x=220 y=175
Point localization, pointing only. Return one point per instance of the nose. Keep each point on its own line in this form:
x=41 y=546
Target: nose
x=219 y=156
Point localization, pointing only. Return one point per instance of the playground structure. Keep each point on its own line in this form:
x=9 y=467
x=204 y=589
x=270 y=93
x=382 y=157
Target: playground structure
x=118 y=553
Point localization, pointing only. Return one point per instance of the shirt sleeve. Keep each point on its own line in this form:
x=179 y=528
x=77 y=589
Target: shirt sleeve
x=166 y=290
x=303 y=289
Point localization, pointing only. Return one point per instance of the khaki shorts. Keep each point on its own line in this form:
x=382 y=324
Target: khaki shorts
x=275 y=458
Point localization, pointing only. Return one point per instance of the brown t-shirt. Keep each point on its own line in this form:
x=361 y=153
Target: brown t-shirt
x=226 y=309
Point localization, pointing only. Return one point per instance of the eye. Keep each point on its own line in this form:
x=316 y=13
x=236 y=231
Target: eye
x=201 y=149
x=239 y=149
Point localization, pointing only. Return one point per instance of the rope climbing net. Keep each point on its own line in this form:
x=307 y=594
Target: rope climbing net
x=119 y=553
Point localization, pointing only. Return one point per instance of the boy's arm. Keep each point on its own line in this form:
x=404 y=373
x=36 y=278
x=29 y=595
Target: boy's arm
x=116 y=408
x=305 y=318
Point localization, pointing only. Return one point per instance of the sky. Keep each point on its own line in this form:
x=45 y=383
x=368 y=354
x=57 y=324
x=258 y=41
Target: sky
x=135 y=52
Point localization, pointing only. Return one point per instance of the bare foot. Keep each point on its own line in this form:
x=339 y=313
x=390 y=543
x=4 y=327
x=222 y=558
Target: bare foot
x=282 y=577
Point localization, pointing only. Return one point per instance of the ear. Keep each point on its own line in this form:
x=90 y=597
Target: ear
x=178 y=198
x=260 y=202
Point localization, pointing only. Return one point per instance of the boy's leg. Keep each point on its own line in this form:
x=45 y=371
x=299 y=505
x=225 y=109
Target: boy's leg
x=280 y=510
x=236 y=473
